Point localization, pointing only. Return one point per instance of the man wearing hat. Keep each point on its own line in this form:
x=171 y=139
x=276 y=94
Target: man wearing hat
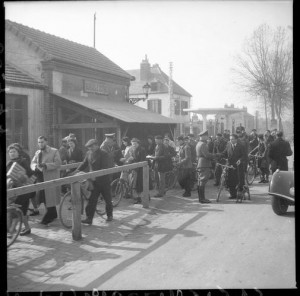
x=219 y=146
x=185 y=166
x=108 y=145
x=97 y=159
x=204 y=165
x=160 y=166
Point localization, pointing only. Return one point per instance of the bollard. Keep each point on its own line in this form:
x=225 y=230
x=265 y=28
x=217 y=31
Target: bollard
x=76 y=208
x=145 y=195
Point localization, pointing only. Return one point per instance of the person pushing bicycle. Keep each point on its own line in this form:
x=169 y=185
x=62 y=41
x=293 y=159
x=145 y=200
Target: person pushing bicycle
x=234 y=153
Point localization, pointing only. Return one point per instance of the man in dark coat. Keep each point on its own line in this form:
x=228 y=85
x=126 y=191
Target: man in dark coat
x=253 y=143
x=97 y=159
x=279 y=150
x=219 y=146
x=160 y=158
x=234 y=152
x=138 y=155
x=204 y=165
x=185 y=166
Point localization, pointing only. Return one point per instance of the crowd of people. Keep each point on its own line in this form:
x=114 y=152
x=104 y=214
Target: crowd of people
x=189 y=155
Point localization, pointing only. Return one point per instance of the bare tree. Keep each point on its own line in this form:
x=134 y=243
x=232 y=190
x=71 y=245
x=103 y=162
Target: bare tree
x=264 y=69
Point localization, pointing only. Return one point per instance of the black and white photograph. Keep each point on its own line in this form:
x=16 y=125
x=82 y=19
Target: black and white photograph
x=149 y=145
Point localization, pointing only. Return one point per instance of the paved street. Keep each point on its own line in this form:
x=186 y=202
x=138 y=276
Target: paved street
x=177 y=243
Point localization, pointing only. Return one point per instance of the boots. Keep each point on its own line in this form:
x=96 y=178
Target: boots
x=201 y=194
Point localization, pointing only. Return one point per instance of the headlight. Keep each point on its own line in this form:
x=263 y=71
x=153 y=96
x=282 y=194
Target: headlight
x=292 y=191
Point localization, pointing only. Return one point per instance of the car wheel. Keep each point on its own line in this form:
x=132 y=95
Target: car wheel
x=279 y=205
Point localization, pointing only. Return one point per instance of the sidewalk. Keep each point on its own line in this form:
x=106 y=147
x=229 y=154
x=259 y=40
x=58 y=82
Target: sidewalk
x=50 y=260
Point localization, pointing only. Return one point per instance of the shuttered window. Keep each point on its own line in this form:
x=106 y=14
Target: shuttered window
x=177 y=107
x=154 y=106
x=184 y=105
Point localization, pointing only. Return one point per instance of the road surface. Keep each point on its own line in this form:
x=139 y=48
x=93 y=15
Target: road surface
x=176 y=244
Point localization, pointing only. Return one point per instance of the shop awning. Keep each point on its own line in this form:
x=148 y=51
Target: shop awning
x=123 y=111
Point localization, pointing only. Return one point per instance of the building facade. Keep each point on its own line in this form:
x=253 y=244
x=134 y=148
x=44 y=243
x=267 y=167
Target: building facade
x=77 y=90
x=159 y=99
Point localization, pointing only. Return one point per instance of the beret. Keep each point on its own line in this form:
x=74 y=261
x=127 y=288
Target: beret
x=180 y=138
x=159 y=137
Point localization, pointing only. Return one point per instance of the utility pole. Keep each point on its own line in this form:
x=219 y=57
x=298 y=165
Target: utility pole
x=95 y=30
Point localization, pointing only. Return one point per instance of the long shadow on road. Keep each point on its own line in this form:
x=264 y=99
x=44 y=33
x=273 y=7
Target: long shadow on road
x=49 y=256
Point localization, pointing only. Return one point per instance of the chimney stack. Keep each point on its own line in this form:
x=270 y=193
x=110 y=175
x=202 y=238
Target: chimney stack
x=145 y=70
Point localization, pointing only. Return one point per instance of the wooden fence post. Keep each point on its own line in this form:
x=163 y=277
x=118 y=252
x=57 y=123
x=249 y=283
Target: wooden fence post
x=76 y=208
x=146 y=194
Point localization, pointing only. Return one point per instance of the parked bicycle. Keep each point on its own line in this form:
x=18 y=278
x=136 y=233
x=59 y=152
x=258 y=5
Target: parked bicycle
x=65 y=211
x=171 y=177
x=14 y=223
x=253 y=170
x=122 y=188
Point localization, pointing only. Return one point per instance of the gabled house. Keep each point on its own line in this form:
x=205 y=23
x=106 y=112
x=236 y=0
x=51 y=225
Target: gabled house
x=159 y=99
x=70 y=88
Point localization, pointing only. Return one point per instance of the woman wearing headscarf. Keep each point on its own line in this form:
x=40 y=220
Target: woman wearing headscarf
x=17 y=180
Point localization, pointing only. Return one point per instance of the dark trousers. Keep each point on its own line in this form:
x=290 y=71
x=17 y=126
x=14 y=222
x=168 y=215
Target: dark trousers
x=186 y=179
x=104 y=189
x=236 y=179
x=51 y=212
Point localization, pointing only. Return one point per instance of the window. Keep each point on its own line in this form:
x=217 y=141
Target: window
x=16 y=120
x=184 y=105
x=154 y=86
x=154 y=105
x=177 y=107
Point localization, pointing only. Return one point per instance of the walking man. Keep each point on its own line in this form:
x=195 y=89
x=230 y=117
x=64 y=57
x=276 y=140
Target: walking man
x=185 y=166
x=279 y=150
x=219 y=146
x=204 y=165
x=45 y=163
x=97 y=159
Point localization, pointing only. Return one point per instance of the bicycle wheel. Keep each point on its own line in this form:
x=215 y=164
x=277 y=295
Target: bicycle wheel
x=250 y=175
x=221 y=190
x=15 y=219
x=65 y=211
x=170 y=180
x=101 y=206
x=118 y=191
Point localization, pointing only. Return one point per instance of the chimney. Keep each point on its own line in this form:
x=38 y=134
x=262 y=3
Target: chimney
x=145 y=70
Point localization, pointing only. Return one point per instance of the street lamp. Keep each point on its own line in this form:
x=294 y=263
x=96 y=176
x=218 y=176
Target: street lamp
x=233 y=122
x=146 y=89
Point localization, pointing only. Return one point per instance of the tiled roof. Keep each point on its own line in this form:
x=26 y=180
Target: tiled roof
x=14 y=75
x=68 y=51
x=156 y=75
x=123 y=111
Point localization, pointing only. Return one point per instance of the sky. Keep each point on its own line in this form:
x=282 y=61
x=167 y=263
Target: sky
x=200 y=38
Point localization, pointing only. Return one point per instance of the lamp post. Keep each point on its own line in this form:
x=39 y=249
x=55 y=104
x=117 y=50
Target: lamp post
x=146 y=89
x=233 y=122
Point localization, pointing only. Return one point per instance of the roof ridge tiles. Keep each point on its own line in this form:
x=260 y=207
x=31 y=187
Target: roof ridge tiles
x=43 y=32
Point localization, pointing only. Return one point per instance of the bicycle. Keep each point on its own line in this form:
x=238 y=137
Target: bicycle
x=14 y=223
x=171 y=177
x=121 y=188
x=252 y=170
x=241 y=195
x=65 y=208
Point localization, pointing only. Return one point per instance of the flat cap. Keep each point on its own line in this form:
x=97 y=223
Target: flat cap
x=110 y=135
x=191 y=135
x=135 y=140
x=219 y=134
x=91 y=142
x=166 y=138
x=180 y=138
x=186 y=138
x=204 y=133
x=159 y=137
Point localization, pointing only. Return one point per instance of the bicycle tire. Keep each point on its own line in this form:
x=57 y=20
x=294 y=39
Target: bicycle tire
x=65 y=211
x=170 y=180
x=250 y=175
x=19 y=216
x=101 y=206
x=221 y=188
x=118 y=191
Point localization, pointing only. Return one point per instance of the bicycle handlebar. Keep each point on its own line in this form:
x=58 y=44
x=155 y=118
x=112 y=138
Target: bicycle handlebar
x=226 y=166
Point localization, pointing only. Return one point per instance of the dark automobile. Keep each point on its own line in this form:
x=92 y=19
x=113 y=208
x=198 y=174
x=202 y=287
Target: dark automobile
x=282 y=191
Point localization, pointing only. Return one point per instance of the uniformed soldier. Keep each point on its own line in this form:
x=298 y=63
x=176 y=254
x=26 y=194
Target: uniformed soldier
x=204 y=165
